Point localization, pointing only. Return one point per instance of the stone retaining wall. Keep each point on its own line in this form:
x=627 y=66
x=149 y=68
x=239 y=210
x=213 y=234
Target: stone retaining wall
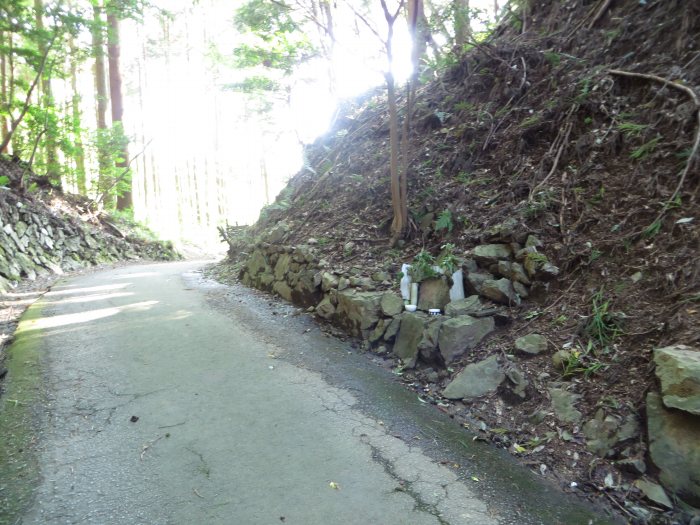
x=36 y=241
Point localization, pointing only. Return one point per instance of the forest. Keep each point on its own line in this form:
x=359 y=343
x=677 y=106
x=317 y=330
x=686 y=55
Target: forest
x=194 y=114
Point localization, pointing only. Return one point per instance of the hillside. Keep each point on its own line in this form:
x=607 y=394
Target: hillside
x=573 y=147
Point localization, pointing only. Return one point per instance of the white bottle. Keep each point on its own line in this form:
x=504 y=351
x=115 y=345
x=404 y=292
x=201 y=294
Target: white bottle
x=406 y=283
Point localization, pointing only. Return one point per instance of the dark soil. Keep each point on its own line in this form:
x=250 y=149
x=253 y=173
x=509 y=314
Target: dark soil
x=532 y=127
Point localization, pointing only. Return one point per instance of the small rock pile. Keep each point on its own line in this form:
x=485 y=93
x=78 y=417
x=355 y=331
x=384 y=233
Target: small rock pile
x=35 y=241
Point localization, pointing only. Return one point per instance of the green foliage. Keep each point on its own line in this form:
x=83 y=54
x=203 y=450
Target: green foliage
x=273 y=38
x=448 y=261
x=444 y=221
x=582 y=362
x=4 y=180
x=422 y=267
x=645 y=149
x=631 y=129
x=553 y=58
x=602 y=326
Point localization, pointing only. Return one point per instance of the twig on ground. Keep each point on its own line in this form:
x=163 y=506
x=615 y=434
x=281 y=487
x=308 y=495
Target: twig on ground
x=196 y=493
x=567 y=131
x=520 y=329
x=149 y=445
x=599 y=13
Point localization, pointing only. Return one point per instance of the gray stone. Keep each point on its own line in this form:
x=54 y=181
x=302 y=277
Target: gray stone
x=474 y=281
x=604 y=432
x=462 y=333
x=674 y=447
x=517 y=378
x=563 y=404
x=283 y=290
x=325 y=308
x=517 y=273
x=282 y=266
x=488 y=254
x=678 y=369
x=378 y=332
x=433 y=293
x=533 y=241
x=343 y=283
x=531 y=344
x=500 y=291
x=277 y=233
x=358 y=311
x=476 y=380
x=520 y=290
x=256 y=262
x=467 y=306
x=391 y=304
x=654 y=492
x=409 y=336
x=378 y=277
x=392 y=329
x=429 y=343
x=560 y=358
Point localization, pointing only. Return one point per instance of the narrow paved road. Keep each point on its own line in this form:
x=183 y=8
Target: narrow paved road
x=174 y=400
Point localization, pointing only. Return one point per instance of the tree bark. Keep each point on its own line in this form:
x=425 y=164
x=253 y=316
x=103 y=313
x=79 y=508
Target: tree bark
x=53 y=168
x=124 y=200
x=103 y=156
x=76 y=115
x=463 y=28
x=4 y=102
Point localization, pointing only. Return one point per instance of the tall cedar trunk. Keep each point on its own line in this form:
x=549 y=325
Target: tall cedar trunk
x=124 y=200
x=462 y=23
x=104 y=181
x=4 y=102
x=79 y=155
x=47 y=101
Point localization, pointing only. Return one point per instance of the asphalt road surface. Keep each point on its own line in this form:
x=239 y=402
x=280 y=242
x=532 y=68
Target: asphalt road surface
x=170 y=399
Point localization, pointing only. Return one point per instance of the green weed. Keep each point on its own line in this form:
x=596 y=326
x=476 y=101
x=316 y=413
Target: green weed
x=444 y=221
x=602 y=326
x=631 y=129
x=645 y=149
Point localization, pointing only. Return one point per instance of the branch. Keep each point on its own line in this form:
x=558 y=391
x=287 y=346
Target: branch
x=696 y=143
x=27 y=102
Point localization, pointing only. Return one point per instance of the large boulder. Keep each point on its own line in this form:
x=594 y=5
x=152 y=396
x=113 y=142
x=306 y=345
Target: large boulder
x=674 y=447
x=488 y=254
x=282 y=266
x=500 y=291
x=391 y=304
x=474 y=281
x=462 y=333
x=476 y=380
x=678 y=369
x=433 y=293
x=467 y=306
x=358 y=311
x=409 y=336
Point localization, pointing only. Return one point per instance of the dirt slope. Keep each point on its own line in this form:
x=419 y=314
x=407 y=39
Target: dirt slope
x=572 y=131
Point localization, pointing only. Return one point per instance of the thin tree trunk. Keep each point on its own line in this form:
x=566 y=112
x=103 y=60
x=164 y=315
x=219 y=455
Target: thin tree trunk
x=103 y=156
x=47 y=102
x=4 y=101
x=463 y=28
x=124 y=200
x=28 y=100
x=77 y=121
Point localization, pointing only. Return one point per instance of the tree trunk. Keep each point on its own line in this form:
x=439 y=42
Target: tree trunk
x=53 y=168
x=4 y=101
x=104 y=178
x=76 y=115
x=463 y=28
x=124 y=199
